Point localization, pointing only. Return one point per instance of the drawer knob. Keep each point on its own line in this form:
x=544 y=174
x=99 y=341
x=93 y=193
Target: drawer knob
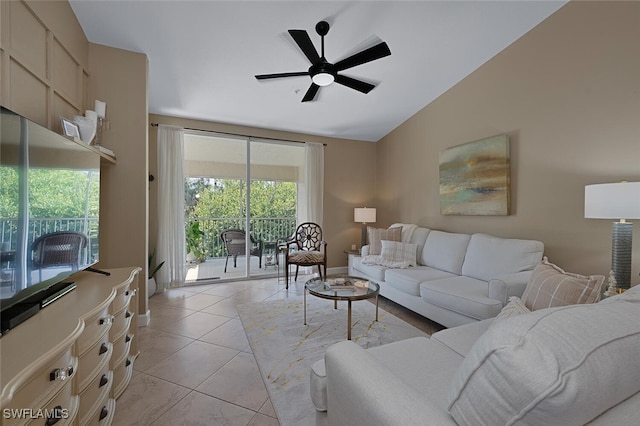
x=61 y=373
x=103 y=380
x=54 y=416
x=104 y=412
x=127 y=315
x=103 y=348
x=127 y=363
x=131 y=292
x=107 y=320
x=127 y=339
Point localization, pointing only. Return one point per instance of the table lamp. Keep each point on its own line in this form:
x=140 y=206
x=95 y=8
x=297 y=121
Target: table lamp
x=616 y=201
x=364 y=215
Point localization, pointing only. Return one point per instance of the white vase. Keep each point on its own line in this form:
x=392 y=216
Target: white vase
x=151 y=287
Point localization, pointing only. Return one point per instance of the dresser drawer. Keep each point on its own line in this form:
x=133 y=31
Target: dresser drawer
x=46 y=382
x=61 y=410
x=121 y=323
x=123 y=297
x=94 y=396
x=95 y=326
x=121 y=349
x=121 y=376
x=93 y=361
x=104 y=413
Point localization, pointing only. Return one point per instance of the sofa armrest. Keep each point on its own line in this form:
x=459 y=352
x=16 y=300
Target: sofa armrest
x=364 y=251
x=502 y=287
x=362 y=391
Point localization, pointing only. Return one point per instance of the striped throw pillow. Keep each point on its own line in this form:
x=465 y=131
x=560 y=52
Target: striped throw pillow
x=376 y=235
x=550 y=286
x=395 y=251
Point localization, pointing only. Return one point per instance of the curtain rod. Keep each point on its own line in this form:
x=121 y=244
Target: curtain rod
x=237 y=134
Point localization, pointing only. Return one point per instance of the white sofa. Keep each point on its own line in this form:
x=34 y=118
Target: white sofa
x=571 y=365
x=459 y=278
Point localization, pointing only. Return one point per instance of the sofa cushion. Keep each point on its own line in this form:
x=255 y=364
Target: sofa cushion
x=488 y=256
x=374 y=272
x=376 y=235
x=563 y=365
x=395 y=251
x=460 y=339
x=551 y=286
x=464 y=295
x=445 y=250
x=409 y=280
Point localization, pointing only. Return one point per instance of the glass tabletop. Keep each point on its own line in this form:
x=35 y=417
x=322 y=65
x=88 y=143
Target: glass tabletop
x=342 y=287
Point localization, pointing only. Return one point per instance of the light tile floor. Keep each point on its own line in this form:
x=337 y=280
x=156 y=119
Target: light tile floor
x=196 y=366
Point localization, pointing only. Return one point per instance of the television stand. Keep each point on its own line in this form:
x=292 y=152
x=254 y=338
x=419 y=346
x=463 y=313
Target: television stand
x=98 y=271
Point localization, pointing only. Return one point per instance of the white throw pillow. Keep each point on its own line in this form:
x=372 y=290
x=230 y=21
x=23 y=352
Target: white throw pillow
x=562 y=366
x=395 y=251
x=514 y=307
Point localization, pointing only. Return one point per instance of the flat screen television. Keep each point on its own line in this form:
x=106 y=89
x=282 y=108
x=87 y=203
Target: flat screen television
x=49 y=215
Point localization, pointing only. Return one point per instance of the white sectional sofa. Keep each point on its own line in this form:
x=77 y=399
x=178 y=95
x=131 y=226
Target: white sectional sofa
x=459 y=278
x=569 y=365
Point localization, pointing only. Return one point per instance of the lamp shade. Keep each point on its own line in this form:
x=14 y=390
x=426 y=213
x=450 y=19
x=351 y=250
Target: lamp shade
x=364 y=215
x=612 y=201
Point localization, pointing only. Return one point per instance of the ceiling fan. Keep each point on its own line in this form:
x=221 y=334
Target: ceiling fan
x=322 y=72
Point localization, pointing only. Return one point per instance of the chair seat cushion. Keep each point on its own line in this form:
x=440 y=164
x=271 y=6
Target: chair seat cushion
x=304 y=256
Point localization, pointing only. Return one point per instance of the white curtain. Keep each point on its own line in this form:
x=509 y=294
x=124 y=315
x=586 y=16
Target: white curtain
x=311 y=189
x=171 y=232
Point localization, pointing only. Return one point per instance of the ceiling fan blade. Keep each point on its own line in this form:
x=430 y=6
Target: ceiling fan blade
x=281 y=75
x=301 y=37
x=358 y=85
x=311 y=93
x=378 y=51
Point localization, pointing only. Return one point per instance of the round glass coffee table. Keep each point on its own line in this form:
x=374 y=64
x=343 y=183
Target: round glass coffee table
x=341 y=287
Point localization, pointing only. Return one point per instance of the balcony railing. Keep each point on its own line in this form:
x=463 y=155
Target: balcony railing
x=37 y=227
x=267 y=229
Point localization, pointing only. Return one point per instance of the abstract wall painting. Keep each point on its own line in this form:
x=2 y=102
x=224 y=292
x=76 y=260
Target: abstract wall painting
x=475 y=178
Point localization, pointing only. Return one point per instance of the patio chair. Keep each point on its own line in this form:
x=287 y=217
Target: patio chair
x=308 y=249
x=58 y=249
x=234 y=243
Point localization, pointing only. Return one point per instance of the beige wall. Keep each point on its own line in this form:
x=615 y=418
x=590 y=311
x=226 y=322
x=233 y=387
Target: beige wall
x=349 y=180
x=568 y=95
x=119 y=78
x=49 y=70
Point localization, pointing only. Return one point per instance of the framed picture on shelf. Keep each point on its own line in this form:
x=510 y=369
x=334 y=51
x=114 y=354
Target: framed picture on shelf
x=70 y=128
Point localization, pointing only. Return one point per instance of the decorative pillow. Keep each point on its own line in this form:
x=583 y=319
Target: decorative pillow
x=513 y=308
x=399 y=252
x=376 y=235
x=550 y=286
x=557 y=366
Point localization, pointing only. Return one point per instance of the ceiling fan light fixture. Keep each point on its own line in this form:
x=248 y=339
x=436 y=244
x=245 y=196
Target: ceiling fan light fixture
x=323 y=79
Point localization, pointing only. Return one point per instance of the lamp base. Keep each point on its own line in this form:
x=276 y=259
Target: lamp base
x=364 y=236
x=621 y=242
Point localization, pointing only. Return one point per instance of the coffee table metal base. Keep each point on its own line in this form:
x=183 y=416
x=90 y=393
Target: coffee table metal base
x=335 y=306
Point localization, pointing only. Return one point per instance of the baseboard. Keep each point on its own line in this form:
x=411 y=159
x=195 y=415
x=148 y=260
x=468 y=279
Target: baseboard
x=338 y=270
x=144 y=319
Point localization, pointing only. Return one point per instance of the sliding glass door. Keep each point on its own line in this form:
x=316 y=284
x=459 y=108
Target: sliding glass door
x=234 y=185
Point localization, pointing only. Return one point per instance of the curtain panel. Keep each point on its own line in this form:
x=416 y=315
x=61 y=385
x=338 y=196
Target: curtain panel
x=171 y=228
x=311 y=190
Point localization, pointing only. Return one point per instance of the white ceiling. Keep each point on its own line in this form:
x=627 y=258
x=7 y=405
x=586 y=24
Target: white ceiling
x=203 y=56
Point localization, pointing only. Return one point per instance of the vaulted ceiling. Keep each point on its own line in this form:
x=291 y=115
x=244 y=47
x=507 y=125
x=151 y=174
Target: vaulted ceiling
x=203 y=56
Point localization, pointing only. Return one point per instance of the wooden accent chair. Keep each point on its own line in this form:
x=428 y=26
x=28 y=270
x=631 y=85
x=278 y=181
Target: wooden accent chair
x=309 y=249
x=234 y=242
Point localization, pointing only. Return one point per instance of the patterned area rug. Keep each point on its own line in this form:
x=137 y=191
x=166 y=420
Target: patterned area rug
x=285 y=348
